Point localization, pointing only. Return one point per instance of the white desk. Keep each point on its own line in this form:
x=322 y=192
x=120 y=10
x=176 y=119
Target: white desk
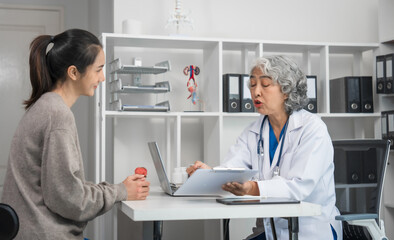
x=161 y=207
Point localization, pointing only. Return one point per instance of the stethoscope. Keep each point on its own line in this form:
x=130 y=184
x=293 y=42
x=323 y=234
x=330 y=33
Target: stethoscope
x=260 y=149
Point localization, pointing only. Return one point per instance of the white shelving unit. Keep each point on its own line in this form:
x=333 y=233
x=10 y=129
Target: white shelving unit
x=184 y=135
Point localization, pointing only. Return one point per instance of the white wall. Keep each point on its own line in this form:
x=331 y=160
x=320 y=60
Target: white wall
x=284 y=20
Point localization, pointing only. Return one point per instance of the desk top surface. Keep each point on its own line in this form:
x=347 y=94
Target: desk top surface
x=160 y=206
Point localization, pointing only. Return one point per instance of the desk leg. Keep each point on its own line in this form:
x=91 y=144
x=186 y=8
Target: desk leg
x=293 y=228
x=226 y=230
x=157 y=230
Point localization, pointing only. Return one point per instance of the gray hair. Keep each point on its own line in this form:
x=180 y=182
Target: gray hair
x=289 y=76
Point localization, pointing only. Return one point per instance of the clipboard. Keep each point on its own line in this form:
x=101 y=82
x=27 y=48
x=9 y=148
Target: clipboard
x=250 y=201
x=205 y=182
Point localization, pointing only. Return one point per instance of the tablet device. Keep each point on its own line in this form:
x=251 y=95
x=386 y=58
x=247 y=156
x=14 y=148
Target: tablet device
x=247 y=201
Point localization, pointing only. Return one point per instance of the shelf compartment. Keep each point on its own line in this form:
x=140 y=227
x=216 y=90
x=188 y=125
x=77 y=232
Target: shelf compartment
x=159 y=107
x=159 y=87
x=116 y=66
x=357 y=185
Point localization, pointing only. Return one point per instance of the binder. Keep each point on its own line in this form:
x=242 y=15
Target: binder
x=354 y=167
x=231 y=98
x=380 y=74
x=389 y=73
x=312 y=94
x=370 y=166
x=345 y=95
x=390 y=128
x=340 y=173
x=246 y=97
x=366 y=95
x=384 y=125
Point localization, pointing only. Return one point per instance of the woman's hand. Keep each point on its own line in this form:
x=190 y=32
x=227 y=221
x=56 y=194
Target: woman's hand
x=198 y=164
x=247 y=188
x=137 y=187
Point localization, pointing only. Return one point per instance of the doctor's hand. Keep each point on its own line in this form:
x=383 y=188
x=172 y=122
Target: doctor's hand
x=198 y=164
x=247 y=188
x=137 y=187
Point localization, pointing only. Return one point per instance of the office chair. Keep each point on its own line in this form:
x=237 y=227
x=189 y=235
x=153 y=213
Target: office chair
x=9 y=222
x=360 y=167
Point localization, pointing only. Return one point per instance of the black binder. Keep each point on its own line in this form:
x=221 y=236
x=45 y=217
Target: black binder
x=387 y=120
x=231 y=97
x=312 y=94
x=389 y=73
x=380 y=74
x=384 y=125
x=370 y=166
x=355 y=167
x=390 y=128
x=246 y=98
x=366 y=95
x=345 y=95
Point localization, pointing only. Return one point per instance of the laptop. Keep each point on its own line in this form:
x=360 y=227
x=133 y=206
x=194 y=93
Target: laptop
x=203 y=182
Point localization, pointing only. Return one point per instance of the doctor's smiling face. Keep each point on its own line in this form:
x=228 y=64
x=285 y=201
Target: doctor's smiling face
x=266 y=94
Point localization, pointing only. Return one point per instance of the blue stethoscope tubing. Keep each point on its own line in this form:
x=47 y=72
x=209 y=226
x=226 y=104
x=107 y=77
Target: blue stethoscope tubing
x=260 y=148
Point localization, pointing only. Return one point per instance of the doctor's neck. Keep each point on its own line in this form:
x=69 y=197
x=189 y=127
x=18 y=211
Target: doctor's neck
x=278 y=120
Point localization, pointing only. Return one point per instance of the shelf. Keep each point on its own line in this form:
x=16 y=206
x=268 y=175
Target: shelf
x=149 y=41
x=160 y=114
x=159 y=107
x=117 y=67
x=349 y=115
x=343 y=48
x=160 y=87
x=238 y=115
x=241 y=114
x=358 y=185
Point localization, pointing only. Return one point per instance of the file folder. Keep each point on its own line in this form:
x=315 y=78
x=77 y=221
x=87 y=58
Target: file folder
x=380 y=74
x=231 y=96
x=312 y=94
x=345 y=95
x=246 y=97
x=384 y=124
x=355 y=167
x=366 y=95
x=370 y=162
x=390 y=128
x=389 y=73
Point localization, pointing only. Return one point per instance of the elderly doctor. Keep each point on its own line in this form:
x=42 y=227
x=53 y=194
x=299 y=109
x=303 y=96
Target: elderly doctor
x=290 y=147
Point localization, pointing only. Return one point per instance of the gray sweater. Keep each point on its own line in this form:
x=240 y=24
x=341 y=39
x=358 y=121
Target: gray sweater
x=45 y=180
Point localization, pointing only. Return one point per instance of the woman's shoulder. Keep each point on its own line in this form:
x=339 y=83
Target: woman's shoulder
x=50 y=107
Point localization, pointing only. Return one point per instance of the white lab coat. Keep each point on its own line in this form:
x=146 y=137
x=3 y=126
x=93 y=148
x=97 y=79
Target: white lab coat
x=306 y=172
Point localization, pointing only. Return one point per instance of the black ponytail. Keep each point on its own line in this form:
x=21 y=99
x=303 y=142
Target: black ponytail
x=39 y=75
x=73 y=47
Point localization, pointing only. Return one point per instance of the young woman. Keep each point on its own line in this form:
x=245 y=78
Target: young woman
x=291 y=149
x=45 y=180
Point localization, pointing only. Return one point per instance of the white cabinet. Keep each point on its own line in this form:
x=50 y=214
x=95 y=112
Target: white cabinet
x=186 y=134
